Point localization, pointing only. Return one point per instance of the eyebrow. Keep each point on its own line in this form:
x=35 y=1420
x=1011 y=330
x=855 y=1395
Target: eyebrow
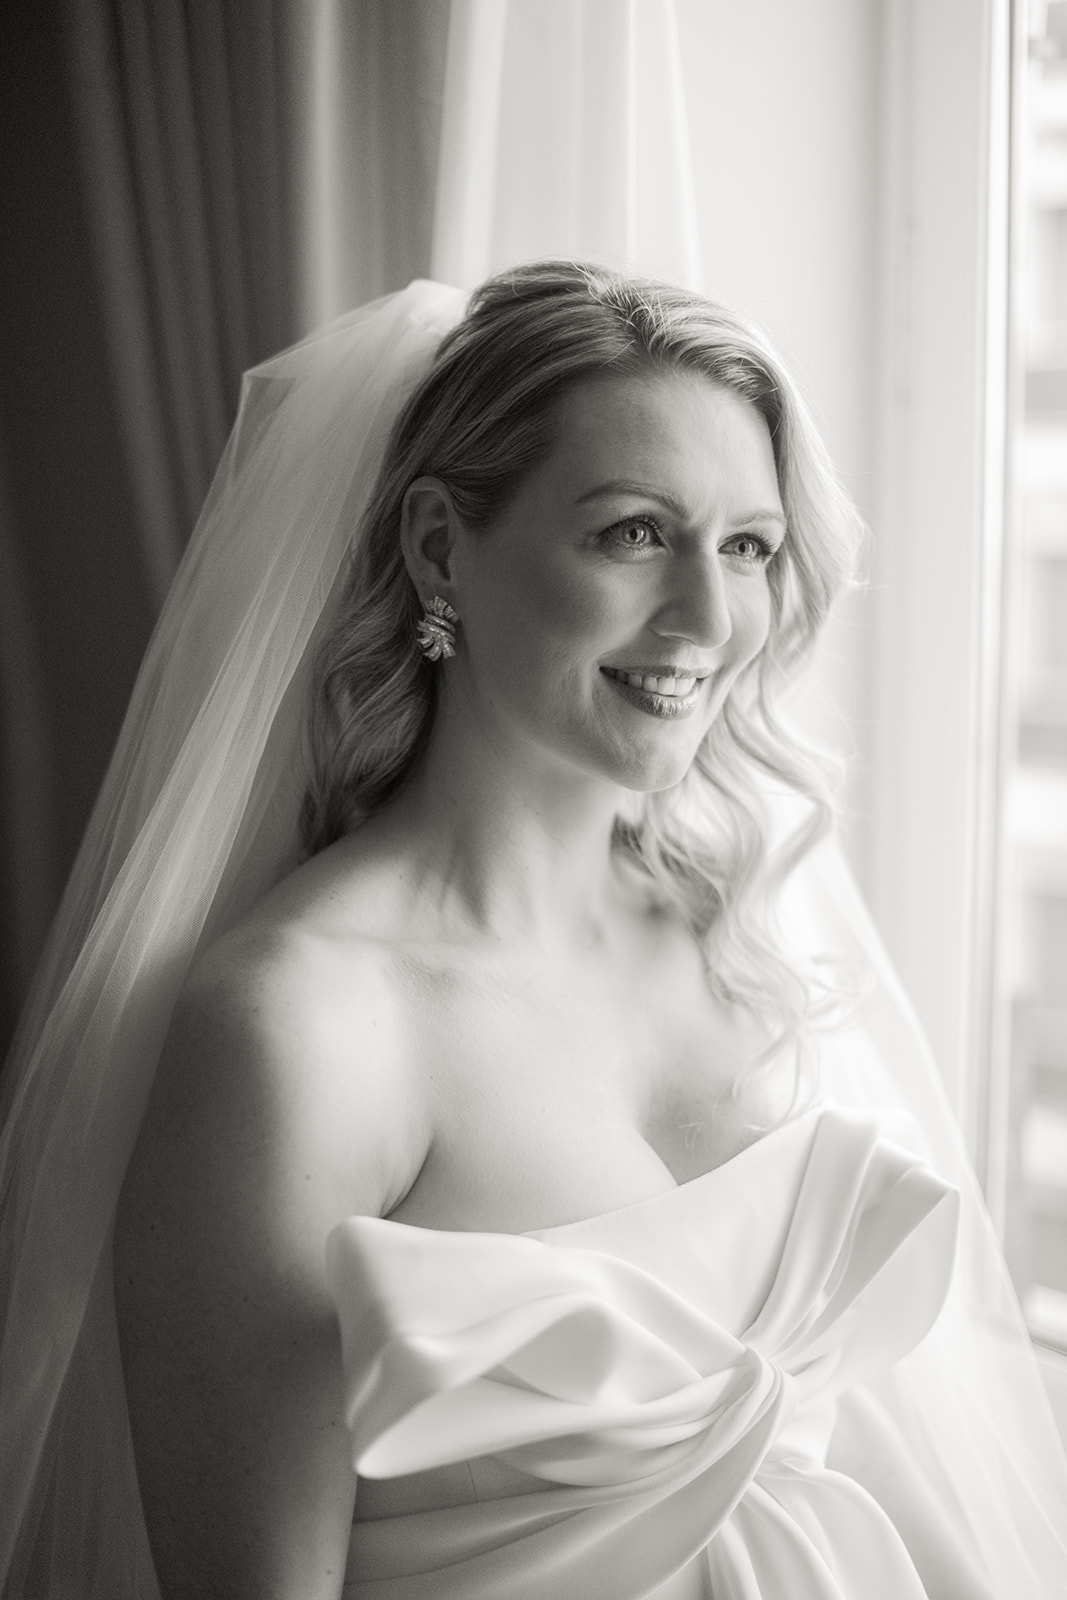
x=648 y=492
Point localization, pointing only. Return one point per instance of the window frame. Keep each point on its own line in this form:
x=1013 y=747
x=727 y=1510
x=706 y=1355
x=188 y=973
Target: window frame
x=939 y=564
x=944 y=572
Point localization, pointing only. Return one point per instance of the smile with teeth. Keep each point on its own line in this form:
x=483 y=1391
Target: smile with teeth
x=652 y=684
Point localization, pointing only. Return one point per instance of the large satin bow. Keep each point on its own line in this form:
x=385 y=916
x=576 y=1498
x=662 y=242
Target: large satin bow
x=607 y=1393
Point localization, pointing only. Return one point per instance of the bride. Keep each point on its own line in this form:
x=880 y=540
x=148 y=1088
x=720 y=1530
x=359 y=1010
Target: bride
x=494 y=1225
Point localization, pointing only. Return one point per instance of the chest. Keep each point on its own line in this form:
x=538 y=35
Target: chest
x=561 y=1089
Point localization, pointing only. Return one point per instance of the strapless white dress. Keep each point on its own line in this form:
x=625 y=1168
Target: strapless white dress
x=640 y=1404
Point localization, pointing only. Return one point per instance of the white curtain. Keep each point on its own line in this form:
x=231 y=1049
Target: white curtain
x=451 y=140
x=368 y=79
x=564 y=133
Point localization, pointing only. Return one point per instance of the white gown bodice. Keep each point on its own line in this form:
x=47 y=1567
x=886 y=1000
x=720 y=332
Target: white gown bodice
x=640 y=1404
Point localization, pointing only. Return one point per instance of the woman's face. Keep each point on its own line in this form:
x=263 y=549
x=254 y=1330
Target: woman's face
x=606 y=613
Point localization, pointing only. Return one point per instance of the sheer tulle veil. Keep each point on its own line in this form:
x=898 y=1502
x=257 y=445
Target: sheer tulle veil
x=196 y=818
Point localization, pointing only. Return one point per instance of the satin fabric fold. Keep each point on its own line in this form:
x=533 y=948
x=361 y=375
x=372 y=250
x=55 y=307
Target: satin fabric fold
x=630 y=1400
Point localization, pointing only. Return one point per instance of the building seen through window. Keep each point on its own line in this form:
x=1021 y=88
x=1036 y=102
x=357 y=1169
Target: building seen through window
x=1034 y=815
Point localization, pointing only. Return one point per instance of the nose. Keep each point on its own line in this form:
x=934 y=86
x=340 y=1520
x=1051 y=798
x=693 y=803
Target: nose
x=697 y=606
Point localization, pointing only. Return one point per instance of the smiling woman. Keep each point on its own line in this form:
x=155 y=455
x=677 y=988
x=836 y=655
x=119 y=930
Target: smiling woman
x=487 y=1225
x=567 y=410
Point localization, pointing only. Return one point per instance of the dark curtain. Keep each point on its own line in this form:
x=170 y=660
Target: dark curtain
x=158 y=157
x=185 y=118
x=147 y=261
x=75 y=602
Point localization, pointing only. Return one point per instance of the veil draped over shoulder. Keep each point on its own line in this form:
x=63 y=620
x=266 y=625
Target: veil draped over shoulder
x=197 y=817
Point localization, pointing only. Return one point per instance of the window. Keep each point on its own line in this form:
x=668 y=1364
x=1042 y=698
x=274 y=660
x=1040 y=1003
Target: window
x=1031 y=947
x=969 y=858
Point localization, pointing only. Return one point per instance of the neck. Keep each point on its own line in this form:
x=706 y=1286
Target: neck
x=509 y=841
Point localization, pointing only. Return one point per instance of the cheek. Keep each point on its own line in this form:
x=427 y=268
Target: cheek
x=547 y=614
x=522 y=634
x=571 y=605
x=750 y=617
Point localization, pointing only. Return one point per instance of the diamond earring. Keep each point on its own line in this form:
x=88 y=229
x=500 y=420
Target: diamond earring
x=436 y=633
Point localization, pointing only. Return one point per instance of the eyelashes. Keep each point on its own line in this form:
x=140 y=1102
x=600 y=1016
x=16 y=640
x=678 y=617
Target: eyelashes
x=761 y=549
x=616 y=534
x=764 y=548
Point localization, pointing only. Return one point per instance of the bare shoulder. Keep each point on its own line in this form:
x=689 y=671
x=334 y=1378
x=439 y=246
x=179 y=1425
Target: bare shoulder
x=282 y=1091
x=277 y=1110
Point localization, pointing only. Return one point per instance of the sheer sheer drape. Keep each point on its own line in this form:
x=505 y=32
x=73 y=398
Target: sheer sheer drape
x=564 y=132
x=371 y=80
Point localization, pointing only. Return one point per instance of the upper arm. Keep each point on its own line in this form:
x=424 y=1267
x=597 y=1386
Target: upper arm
x=260 y=1135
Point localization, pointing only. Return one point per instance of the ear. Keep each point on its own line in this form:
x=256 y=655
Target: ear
x=428 y=529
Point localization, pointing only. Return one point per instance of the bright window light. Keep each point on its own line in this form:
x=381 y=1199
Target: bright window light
x=1032 y=942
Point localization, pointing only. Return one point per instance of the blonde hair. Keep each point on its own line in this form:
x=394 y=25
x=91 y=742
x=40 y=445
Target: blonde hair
x=481 y=419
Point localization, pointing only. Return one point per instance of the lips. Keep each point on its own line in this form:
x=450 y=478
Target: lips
x=669 y=682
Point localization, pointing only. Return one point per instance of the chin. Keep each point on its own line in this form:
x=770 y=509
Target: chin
x=658 y=758
x=662 y=753
x=652 y=774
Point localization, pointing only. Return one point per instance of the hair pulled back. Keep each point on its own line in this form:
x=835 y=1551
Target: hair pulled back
x=481 y=420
